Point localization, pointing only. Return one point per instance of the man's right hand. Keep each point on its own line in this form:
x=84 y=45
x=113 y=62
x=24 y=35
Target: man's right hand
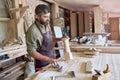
x=52 y=61
x=64 y=37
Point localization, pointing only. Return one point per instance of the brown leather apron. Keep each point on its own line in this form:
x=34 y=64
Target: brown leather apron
x=46 y=49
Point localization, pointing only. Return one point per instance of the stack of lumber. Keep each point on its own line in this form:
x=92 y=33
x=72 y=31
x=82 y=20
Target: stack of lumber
x=13 y=72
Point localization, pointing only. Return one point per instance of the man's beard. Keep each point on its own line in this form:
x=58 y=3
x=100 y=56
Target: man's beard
x=44 y=23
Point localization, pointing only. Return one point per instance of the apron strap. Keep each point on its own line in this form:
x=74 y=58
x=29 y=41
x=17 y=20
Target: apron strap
x=38 y=28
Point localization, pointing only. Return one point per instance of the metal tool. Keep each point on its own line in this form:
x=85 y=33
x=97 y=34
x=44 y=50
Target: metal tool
x=71 y=74
x=58 y=67
x=98 y=72
x=53 y=78
x=53 y=68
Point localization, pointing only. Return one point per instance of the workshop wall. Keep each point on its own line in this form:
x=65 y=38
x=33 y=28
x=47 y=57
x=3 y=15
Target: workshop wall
x=3 y=21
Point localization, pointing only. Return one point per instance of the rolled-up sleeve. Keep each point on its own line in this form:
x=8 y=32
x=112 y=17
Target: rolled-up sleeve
x=31 y=42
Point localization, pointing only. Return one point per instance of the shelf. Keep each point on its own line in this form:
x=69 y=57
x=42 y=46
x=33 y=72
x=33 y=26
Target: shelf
x=13 y=52
x=13 y=47
x=4 y=19
x=16 y=56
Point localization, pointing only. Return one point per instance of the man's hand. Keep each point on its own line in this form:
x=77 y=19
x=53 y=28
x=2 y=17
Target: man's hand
x=52 y=61
x=64 y=37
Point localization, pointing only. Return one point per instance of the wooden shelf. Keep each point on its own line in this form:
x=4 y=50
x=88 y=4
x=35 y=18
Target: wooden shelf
x=13 y=52
x=13 y=49
x=4 y=19
x=13 y=57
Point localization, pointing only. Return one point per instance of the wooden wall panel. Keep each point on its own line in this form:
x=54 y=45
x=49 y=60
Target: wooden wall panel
x=3 y=31
x=81 y=23
x=73 y=25
x=3 y=21
x=114 y=28
x=86 y=21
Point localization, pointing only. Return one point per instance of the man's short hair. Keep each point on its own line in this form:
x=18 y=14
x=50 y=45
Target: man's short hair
x=42 y=9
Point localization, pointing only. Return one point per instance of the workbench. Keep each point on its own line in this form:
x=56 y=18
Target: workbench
x=78 y=66
x=108 y=48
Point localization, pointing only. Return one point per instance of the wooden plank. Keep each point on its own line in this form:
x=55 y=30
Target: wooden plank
x=13 y=51
x=7 y=64
x=17 y=46
x=88 y=67
x=23 y=9
x=15 y=66
x=13 y=54
x=19 y=54
x=16 y=75
x=4 y=19
x=14 y=10
x=13 y=76
x=13 y=72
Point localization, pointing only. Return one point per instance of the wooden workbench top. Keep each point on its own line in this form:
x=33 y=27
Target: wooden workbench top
x=78 y=66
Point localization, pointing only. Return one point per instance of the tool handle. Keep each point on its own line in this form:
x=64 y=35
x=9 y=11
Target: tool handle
x=53 y=78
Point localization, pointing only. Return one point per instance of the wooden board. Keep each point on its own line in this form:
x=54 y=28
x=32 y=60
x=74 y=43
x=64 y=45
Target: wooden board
x=8 y=71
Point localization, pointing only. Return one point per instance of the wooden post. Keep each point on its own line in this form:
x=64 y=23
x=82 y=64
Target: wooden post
x=98 y=20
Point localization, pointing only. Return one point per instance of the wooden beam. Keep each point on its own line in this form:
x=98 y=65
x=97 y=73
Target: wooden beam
x=14 y=10
x=13 y=51
x=13 y=57
x=13 y=47
x=13 y=76
x=22 y=10
x=4 y=19
x=10 y=69
x=16 y=75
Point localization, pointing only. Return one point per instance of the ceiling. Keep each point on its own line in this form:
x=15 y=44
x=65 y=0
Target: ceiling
x=111 y=6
